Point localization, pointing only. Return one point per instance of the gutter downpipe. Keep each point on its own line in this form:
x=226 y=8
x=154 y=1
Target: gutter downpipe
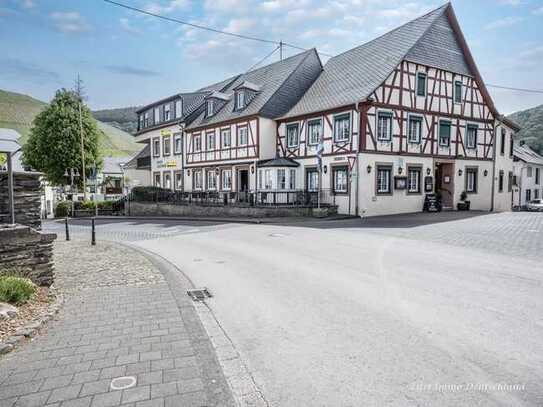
x=356 y=209
x=494 y=167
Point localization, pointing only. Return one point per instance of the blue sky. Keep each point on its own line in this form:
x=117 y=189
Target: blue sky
x=128 y=59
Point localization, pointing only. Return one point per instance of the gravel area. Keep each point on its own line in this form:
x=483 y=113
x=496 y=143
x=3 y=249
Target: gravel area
x=36 y=307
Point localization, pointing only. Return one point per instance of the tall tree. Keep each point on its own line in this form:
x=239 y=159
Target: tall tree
x=54 y=143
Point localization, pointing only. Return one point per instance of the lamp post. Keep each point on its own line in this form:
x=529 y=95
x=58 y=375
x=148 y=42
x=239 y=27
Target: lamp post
x=71 y=174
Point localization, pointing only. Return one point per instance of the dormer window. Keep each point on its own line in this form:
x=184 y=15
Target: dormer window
x=167 y=116
x=240 y=99
x=209 y=108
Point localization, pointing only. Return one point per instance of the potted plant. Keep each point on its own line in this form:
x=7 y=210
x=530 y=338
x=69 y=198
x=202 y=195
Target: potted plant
x=464 y=204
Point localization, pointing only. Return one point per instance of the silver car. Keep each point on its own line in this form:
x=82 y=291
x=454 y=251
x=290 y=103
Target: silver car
x=535 y=205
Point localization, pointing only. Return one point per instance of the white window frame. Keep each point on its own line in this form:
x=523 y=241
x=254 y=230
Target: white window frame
x=225 y=132
x=157 y=179
x=178 y=137
x=210 y=107
x=268 y=179
x=455 y=93
x=381 y=187
x=296 y=127
x=281 y=179
x=413 y=184
x=439 y=133
x=167 y=112
x=343 y=187
x=244 y=133
x=167 y=180
x=197 y=143
x=419 y=75
x=156 y=115
x=156 y=151
x=211 y=176
x=340 y=118
x=471 y=180
x=240 y=99
x=312 y=124
x=471 y=145
x=210 y=141
x=418 y=137
x=226 y=180
x=166 y=145
x=387 y=116
x=197 y=179
x=292 y=179
x=178 y=108
x=312 y=181
x=175 y=183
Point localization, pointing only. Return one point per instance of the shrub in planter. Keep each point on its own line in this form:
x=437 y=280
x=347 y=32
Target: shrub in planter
x=108 y=205
x=86 y=205
x=16 y=290
x=465 y=204
x=63 y=209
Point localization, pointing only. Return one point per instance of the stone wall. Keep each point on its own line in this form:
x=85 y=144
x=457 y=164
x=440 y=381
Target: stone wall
x=27 y=252
x=27 y=198
x=229 y=211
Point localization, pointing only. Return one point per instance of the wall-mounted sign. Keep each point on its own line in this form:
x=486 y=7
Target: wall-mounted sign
x=446 y=179
x=428 y=184
x=165 y=132
x=400 y=182
x=166 y=164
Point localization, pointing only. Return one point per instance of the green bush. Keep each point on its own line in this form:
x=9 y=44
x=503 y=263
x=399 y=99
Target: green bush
x=16 y=290
x=87 y=205
x=63 y=209
x=105 y=204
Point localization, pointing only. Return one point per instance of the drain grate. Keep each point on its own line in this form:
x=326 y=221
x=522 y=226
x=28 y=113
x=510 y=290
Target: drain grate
x=199 y=294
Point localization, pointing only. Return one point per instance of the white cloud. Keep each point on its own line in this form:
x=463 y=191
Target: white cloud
x=510 y=2
x=128 y=27
x=69 y=22
x=28 y=4
x=166 y=8
x=239 y=25
x=503 y=22
x=538 y=11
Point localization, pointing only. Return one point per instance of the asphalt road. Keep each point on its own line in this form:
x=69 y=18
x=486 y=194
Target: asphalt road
x=364 y=317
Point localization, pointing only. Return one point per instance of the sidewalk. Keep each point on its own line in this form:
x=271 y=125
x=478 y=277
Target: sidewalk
x=124 y=315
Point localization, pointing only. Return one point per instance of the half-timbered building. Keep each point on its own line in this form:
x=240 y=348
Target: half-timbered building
x=161 y=124
x=235 y=131
x=398 y=117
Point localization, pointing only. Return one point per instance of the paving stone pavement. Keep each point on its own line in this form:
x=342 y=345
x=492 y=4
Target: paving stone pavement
x=123 y=316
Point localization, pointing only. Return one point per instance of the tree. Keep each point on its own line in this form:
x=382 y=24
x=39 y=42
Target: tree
x=54 y=143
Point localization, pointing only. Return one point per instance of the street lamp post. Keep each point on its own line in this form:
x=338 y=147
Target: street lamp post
x=71 y=174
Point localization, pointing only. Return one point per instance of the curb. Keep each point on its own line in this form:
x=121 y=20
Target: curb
x=32 y=328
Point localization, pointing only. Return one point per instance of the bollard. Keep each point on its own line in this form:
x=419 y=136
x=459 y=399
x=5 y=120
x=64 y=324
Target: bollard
x=93 y=236
x=67 y=230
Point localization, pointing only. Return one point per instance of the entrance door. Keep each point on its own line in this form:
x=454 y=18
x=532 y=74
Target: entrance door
x=445 y=183
x=243 y=185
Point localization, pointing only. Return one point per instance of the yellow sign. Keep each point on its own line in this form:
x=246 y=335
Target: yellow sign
x=171 y=163
x=165 y=132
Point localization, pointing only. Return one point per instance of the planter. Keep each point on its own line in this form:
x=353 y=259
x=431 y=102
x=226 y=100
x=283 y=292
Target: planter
x=320 y=212
x=463 y=206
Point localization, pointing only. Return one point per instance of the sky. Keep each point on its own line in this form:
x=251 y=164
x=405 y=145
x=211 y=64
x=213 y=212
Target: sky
x=128 y=59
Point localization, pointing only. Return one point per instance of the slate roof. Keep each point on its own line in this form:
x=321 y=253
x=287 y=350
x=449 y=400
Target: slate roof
x=526 y=154
x=278 y=162
x=280 y=85
x=112 y=165
x=143 y=153
x=353 y=75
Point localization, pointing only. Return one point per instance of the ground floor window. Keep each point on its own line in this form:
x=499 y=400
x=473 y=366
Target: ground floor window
x=312 y=181
x=536 y=193
x=211 y=180
x=167 y=180
x=178 y=180
x=471 y=180
x=292 y=179
x=197 y=179
x=340 y=179
x=156 y=179
x=281 y=179
x=226 y=182
x=413 y=179
x=510 y=182
x=384 y=175
x=528 y=195
x=500 y=181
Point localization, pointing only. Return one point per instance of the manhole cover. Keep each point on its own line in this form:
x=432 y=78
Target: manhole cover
x=121 y=383
x=199 y=294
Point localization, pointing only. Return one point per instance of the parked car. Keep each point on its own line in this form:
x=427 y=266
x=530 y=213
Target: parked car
x=535 y=205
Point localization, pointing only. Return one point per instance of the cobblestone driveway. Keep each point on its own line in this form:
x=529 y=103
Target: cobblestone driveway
x=122 y=317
